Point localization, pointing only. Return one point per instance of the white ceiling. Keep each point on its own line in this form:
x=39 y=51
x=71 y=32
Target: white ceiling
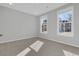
x=34 y=8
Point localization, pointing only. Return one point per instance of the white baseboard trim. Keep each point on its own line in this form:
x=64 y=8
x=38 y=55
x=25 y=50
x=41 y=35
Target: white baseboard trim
x=67 y=43
x=74 y=45
x=6 y=41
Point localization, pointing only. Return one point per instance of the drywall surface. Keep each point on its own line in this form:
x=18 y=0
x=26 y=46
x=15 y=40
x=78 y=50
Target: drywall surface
x=52 y=27
x=15 y=25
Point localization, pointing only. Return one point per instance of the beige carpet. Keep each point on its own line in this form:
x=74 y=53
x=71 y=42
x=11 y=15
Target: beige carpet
x=50 y=48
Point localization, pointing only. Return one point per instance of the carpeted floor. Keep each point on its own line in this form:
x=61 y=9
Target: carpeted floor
x=50 y=48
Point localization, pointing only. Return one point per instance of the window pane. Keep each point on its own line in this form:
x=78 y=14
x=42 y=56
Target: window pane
x=65 y=19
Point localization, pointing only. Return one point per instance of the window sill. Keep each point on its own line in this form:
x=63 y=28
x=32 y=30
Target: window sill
x=66 y=34
x=45 y=32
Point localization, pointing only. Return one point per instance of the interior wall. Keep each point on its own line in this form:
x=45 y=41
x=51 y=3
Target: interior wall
x=15 y=25
x=52 y=27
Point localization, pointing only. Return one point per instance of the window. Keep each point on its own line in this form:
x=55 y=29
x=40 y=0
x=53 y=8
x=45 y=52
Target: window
x=44 y=24
x=65 y=22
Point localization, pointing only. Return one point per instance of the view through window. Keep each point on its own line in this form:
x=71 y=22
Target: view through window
x=65 y=22
x=43 y=24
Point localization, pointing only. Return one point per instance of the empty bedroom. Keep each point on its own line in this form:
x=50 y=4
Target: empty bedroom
x=39 y=29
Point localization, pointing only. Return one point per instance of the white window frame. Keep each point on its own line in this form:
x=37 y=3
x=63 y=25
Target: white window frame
x=41 y=19
x=71 y=34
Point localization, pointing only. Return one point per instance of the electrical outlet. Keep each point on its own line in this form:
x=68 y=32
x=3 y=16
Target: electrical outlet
x=1 y=35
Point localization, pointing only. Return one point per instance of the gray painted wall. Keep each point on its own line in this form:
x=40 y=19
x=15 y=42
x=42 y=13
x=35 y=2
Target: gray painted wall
x=52 y=27
x=15 y=25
